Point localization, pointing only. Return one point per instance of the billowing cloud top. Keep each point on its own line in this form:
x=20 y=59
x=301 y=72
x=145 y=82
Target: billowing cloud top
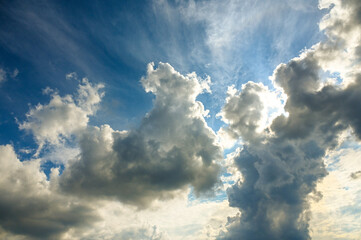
x=171 y=149
x=285 y=131
x=281 y=171
x=63 y=116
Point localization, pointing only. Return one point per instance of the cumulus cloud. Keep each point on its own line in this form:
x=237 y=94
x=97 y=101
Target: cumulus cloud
x=249 y=111
x=62 y=116
x=171 y=149
x=280 y=172
x=31 y=206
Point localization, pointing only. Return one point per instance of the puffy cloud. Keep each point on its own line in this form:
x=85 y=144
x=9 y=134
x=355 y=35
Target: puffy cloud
x=31 y=206
x=171 y=149
x=341 y=53
x=280 y=172
x=62 y=116
x=249 y=111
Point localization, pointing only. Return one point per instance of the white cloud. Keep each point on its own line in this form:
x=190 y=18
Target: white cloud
x=62 y=116
x=71 y=76
x=337 y=214
x=235 y=30
x=280 y=173
x=171 y=149
x=172 y=220
x=250 y=111
x=31 y=206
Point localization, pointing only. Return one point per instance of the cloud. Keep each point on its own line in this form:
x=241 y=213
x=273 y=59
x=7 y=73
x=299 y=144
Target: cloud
x=2 y=75
x=62 y=116
x=176 y=219
x=356 y=175
x=280 y=172
x=72 y=75
x=233 y=30
x=249 y=111
x=31 y=206
x=15 y=73
x=171 y=149
x=141 y=233
x=337 y=214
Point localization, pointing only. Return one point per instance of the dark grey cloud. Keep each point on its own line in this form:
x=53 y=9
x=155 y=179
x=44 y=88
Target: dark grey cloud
x=281 y=171
x=170 y=150
x=30 y=206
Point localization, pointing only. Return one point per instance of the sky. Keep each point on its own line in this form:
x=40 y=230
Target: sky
x=170 y=120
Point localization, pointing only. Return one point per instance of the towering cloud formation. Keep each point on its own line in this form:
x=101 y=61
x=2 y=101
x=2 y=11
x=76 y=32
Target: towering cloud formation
x=172 y=148
x=282 y=165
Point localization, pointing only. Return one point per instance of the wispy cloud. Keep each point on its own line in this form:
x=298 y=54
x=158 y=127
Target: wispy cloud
x=282 y=166
x=2 y=75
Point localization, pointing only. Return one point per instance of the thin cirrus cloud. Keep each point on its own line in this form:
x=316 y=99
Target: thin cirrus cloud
x=282 y=166
x=293 y=173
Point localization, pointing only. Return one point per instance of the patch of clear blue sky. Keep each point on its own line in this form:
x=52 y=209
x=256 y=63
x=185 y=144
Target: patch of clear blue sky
x=112 y=41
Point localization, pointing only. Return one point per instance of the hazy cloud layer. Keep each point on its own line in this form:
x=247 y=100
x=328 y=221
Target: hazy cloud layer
x=337 y=214
x=171 y=149
x=281 y=171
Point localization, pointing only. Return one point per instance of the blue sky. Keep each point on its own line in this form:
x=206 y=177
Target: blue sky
x=113 y=42
x=79 y=94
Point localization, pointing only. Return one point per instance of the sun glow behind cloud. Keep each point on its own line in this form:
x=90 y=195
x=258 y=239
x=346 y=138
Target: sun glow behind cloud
x=292 y=131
